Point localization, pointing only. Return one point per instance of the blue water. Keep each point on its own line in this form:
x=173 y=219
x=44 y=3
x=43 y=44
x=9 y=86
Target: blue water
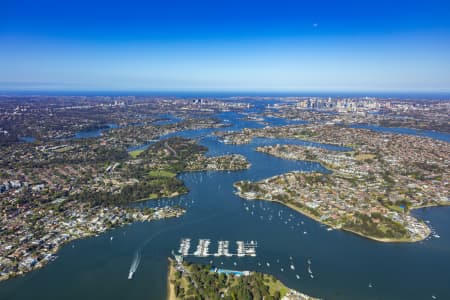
x=78 y=135
x=168 y=119
x=28 y=139
x=401 y=130
x=93 y=133
x=343 y=264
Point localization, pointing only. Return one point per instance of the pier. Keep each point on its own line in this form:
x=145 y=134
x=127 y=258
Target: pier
x=202 y=248
x=184 y=246
x=243 y=248
x=223 y=249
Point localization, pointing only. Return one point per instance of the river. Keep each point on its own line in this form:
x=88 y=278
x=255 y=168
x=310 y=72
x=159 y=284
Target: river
x=343 y=264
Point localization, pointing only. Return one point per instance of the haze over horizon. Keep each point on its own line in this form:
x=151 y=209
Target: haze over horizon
x=225 y=46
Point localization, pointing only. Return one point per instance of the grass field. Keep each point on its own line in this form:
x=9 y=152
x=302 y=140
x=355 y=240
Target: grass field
x=161 y=173
x=365 y=156
x=396 y=208
x=153 y=196
x=275 y=285
x=135 y=153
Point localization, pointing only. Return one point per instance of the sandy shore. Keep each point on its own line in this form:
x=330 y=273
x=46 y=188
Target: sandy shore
x=170 y=286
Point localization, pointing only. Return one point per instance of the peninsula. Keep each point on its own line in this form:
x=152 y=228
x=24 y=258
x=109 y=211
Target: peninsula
x=46 y=214
x=193 y=281
x=52 y=229
x=372 y=186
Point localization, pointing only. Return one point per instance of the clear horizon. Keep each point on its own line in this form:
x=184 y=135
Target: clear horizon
x=287 y=46
x=438 y=96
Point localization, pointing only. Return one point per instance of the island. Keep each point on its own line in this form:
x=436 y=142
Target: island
x=194 y=281
x=373 y=183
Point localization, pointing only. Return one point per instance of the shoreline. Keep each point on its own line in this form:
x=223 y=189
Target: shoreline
x=41 y=264
x=317 y=219
x=55 y=250
x=271 y=283
x=430 y=205
x=187 y=191
x=160 y=198
x=220 y=170
x=170 y=285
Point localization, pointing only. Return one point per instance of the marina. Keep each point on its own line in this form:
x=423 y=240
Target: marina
x=202 y=250
x=184 y=246
x=223 y=249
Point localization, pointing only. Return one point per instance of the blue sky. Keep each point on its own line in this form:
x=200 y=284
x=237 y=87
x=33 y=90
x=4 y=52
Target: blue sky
x=229 y=45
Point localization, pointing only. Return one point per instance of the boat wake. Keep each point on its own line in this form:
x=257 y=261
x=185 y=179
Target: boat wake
x=134 y=264
x=137 y=254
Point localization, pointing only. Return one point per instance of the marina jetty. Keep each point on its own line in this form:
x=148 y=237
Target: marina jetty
x=243 y=248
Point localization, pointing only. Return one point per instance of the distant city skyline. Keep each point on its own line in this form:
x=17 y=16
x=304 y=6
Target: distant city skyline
x=290 y=46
